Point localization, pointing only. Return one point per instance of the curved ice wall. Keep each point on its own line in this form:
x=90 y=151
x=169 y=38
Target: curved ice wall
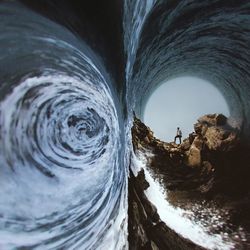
x=207 y=39
x=62 y=176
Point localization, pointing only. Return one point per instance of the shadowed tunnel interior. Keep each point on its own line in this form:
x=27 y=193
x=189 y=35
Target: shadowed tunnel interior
x=209 y=40
x=98 y=23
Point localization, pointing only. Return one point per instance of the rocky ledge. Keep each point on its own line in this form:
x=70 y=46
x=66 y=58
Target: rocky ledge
x=211 y=164
x=146 y=230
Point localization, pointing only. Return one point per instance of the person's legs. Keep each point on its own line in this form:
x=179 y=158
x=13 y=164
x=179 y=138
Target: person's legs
x=180 y=139
x=175 y=139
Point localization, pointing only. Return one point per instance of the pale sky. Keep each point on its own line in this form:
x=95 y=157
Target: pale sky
x=179 y=103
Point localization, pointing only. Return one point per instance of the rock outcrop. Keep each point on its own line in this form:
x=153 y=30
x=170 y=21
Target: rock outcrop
x=195 y=164
x=211 y=164
x=146 y=230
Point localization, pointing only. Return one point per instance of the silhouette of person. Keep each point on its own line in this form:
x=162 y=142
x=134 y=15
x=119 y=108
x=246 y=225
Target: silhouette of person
x=178 y=135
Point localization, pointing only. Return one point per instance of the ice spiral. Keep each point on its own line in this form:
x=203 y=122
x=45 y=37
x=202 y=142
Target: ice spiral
x=62 y=177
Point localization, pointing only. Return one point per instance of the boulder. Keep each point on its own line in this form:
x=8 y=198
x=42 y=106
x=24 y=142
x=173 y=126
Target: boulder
x=194 y=153
x=198 y=128
x=193 y=157
x=198 y=143
x=214 y=137
x=185 y=145
x=200 y=161
x=146 y=231
x=220 y=139
x=191 y=137
x=207 y=167
x=213 y=120
x=210 y=165
x=142 y=180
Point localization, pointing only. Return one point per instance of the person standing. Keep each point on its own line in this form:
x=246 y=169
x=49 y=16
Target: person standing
x=178 y=135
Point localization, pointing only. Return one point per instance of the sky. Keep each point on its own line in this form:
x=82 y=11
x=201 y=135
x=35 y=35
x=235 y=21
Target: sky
x=179 y=103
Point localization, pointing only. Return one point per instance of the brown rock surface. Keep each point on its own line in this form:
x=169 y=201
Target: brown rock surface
x=193 y=153
x=183 y=166
x=210 y=164
x=213 y=120
x=146 y=230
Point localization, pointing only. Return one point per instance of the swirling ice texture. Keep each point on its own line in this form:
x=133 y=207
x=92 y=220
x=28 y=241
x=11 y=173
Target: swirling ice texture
x=208 y=39
x=135 y=15
x=62 y=175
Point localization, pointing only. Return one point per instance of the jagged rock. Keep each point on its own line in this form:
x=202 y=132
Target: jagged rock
x=193 y=157
x=194 y=153
x=141 y=180
x=220 y=139
x=146 y=230
x=214 y=138
x=151 y=246
x=185 y=145
x=139 y=237
x=215 y=132
x=207 y=167
x=198 y=128
x=186 y=166
x=213 y=120
x=198 y=142
x=209 y=164
x=191 y=137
